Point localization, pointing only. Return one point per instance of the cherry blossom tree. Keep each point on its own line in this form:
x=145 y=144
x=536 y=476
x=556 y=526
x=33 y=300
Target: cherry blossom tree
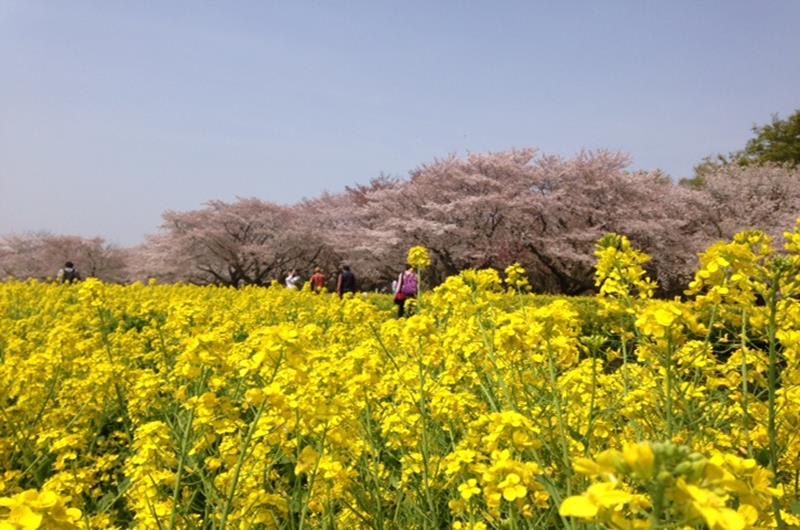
x=569 y=204
x=352 y=226
x=248 y=241
x=490 y=210
x=41 y=255
x=752 y=197
x=482 y=210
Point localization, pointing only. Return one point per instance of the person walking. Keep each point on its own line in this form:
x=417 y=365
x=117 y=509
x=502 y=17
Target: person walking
x=407 y=287
x=68 y=274
x=346 y=283
x=293 y=280
x=317 y=280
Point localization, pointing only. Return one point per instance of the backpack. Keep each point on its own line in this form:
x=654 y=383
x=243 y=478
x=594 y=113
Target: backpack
x=70 y=275
x=409 y=286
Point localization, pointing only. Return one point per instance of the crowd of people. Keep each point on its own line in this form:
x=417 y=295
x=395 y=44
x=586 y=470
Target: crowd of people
x=405 y=287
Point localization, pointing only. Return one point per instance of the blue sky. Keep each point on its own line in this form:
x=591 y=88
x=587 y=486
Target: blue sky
x=112 y=112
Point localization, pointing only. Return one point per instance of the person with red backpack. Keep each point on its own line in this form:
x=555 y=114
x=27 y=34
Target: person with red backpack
x=407 y=287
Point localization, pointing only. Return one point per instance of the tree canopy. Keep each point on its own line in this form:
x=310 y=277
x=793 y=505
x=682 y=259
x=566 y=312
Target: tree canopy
x=777 y=143
x=483 y=210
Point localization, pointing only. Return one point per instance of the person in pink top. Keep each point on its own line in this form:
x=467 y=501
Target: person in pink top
x=407 y=287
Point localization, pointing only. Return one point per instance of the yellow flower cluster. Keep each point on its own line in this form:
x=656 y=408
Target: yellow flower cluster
x=620 y=269
x=178 y=406
x=647 y=485
x=31 y=509
x=418 y=258
x=517 y=278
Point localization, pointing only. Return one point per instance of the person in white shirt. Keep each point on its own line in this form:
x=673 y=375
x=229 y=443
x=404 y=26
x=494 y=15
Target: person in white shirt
x=293 y=280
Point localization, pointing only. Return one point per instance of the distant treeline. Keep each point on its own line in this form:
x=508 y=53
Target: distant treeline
x=485 y=210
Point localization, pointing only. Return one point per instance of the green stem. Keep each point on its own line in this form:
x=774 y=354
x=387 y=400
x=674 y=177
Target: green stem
x=625 y=367
x=243 y=451
x=123 y=408
x=239 y=463
x=670 y=422
x=560 y=415
x=179 y=473
x=591 y=403
x=424 y=449
x=772 y=427
x=745 y=390
x=311 y=482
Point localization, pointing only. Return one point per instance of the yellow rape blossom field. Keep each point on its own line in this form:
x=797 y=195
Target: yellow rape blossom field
x=161 y=407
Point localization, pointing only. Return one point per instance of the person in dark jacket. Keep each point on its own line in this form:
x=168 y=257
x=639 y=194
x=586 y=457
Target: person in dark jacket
x=69 y=274
x=346 y=283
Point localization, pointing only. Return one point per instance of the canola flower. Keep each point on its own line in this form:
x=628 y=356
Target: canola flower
x=176 y=406
x=517 y=278
x=648 y=485
x=419 y=258
x=31 y=509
